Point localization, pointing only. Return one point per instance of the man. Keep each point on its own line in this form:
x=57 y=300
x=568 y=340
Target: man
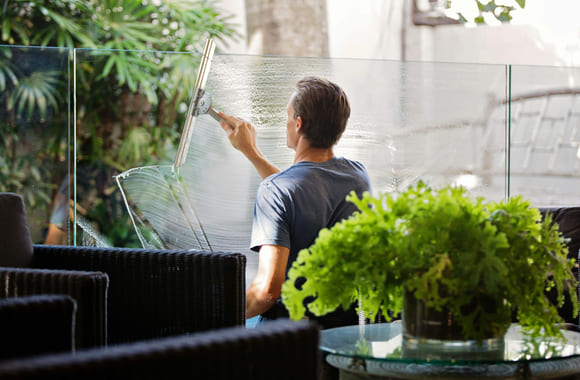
x=293 y=205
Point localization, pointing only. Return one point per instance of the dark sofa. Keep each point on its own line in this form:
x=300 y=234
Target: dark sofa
x=281 y=350
x=123 y=294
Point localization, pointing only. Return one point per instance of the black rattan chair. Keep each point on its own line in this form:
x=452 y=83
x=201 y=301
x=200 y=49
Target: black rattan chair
x=34 y=325
x=151 y=293
x=158 y=293
x=281 y=350
x=88 y=289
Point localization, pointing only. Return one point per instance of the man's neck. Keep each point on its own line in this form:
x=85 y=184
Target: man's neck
x=305 y=153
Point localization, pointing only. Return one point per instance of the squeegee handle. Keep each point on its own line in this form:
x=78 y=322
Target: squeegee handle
x=213 y=113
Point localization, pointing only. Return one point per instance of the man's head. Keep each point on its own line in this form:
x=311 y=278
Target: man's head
x=323 y=108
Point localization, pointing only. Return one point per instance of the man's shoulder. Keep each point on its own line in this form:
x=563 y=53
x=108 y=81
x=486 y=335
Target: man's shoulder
x=281 y=181
x=306 y=168
x=351 y=163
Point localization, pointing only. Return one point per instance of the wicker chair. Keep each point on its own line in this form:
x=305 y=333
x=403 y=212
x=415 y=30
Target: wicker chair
x=123 y=294
x=34 y=325
x=157 y=293
x=88 y=289
x=277 y=350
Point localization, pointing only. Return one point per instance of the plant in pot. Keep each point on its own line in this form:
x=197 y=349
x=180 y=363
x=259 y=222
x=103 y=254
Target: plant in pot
x=432 y=251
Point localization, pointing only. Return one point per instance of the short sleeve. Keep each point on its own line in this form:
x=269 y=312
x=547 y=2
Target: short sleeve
x=270 y=225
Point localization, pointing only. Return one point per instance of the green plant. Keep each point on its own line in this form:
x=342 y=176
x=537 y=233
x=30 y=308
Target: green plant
x=447 y=249
x=134 y=72
x=499 y=10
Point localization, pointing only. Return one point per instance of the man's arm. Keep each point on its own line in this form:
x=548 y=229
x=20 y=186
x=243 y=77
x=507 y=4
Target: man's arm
x=266 y=287
x=242 y=136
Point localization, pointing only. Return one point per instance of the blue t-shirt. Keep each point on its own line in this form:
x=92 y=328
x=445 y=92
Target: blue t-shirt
x=292 y=206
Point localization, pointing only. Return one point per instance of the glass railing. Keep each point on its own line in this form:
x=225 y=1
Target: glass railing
x=497 y=130
x=409 y=122
x=545 y=134
x=35 y=139
x=127 y=114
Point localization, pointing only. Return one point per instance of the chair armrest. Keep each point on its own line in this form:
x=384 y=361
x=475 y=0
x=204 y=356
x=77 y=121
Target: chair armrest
x=34 y=325
x=88 y=289
x=282 y=350
x=157 y=293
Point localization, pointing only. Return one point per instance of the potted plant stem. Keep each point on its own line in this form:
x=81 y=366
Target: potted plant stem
x=485 y=264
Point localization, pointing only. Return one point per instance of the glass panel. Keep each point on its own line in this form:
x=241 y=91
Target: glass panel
x=34 y=137
x=545 y=137
x=129 y=112
x=410 y=121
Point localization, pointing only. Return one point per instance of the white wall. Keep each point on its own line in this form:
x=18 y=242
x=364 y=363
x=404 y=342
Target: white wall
x=504 y=44
x=545 y=32
x=365 y=29
x=236 y=8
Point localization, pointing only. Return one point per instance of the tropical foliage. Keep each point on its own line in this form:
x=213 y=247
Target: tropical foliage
x=130 y=97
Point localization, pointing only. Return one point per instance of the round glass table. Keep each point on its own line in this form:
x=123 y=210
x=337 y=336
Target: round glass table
x=378 y=351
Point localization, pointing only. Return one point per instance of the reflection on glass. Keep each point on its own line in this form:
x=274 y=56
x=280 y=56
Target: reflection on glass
x=34 y=137
x=127 y=115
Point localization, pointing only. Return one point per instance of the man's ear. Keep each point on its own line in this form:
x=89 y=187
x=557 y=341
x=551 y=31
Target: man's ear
x=299 y=124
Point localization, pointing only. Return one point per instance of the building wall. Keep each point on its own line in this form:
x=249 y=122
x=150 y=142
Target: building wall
x=370 y=31
x=291 y=28
x=544 y=33
x=237 y=10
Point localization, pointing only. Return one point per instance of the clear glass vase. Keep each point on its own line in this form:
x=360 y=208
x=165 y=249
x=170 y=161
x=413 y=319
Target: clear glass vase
x=436 y=334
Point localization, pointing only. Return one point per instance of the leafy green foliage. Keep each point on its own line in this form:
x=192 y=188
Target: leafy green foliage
x=500 y=11
x=482 y=261
x=18 y=173
x=134 y=70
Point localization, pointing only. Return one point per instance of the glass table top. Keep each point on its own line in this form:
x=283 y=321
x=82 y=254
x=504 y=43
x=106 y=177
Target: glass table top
x=384 y=343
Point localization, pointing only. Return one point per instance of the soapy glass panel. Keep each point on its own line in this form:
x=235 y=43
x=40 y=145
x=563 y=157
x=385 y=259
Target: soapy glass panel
x=127 y=115
x=34 y=137
x=410 y=121
x=545 y=134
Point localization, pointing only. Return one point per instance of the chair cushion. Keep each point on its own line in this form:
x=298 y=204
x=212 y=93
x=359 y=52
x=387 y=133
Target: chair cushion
x=15 y=241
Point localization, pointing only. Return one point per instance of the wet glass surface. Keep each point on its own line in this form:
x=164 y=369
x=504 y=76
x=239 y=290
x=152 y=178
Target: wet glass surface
x=409 y=122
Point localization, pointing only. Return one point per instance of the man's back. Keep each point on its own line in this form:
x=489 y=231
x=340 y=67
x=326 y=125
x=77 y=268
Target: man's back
x=294 y=205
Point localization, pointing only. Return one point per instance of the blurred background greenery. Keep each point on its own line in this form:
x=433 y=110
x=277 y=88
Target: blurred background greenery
x=130 y=101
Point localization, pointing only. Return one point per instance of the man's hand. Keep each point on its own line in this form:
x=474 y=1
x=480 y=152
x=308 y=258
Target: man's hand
x=242 y=136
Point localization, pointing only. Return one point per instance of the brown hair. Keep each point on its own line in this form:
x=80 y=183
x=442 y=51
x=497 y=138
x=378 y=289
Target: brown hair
x=324 y=109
